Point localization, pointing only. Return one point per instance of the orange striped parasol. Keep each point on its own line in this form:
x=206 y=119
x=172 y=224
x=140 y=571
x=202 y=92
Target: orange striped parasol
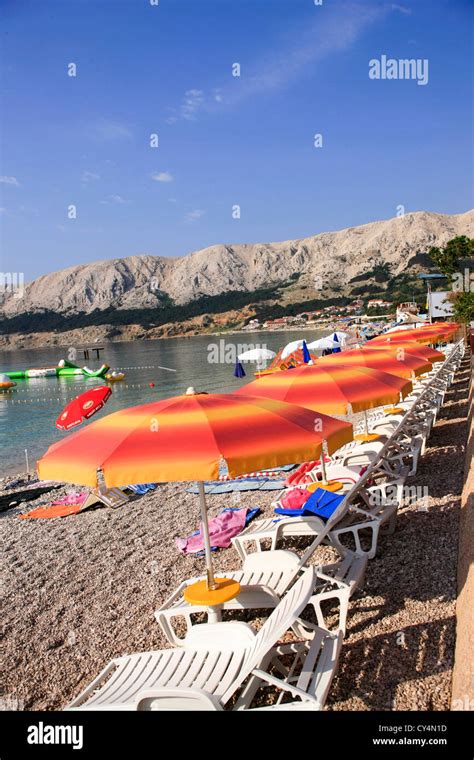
x=394 y=361
x=411 y=346
x=341 y=389
x=190 y=437
x=185 y=437
x=427 y=334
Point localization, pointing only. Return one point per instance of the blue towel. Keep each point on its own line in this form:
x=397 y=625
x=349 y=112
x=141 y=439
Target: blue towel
x=142 y=488
x=272 y=485
x=230 y=486
x=249 y=516
x=321 y=503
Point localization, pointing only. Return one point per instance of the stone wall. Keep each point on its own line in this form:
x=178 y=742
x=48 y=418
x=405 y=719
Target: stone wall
x=463 y=673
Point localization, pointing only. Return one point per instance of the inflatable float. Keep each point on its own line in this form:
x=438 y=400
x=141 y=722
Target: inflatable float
x=6 y=383
x=64 y=369
x=115 y=377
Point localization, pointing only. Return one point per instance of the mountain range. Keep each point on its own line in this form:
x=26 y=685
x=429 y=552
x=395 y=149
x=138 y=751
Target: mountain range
x=321 y=264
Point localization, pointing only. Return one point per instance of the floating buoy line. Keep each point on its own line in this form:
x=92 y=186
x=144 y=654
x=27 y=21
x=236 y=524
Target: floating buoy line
x=10 y=396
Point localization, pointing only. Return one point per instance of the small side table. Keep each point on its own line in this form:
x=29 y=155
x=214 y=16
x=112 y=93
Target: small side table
x=199 y=594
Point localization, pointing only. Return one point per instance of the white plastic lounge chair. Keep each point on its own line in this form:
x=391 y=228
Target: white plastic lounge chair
x=349 y=519
x=214 y=663
x=363 y=454
x=264 y=578
x=348 y=476
x=275 y=528
x=273 y=531
x=378 y=509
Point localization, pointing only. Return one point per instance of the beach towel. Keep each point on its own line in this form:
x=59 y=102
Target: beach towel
x=271 y=485
x=293 y=499
x=67 y=505
x=273 y=472
x=229 y=523
x=142 y=488
x=213 y=487
x=321 y=503
x=300 y=474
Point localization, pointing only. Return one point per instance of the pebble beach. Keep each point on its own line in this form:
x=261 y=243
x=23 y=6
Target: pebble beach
x=81 y=590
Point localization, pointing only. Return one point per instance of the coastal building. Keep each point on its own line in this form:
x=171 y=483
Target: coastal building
x=374 y=302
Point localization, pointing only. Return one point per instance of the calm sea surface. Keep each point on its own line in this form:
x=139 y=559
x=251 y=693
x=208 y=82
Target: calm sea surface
x=28 y=414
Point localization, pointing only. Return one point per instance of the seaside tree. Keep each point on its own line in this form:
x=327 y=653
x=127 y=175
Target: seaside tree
x=457 y=253
x=463 y=306
x=448 y=259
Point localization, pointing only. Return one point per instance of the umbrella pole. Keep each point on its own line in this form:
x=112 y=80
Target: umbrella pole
x=366 y=422
x=211 y=583
x=323 y=464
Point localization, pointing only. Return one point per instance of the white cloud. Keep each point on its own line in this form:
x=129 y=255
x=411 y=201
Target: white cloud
x=401 y=8
x=300 y=51
x=334 y=34
x=193 y=216
x=193 y=100
x=106 y=129
x=162 y=177
x=115 y=199
x=89 y=176
x=10 y=181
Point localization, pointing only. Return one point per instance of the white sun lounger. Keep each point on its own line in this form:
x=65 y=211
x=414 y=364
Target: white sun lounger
x=384 y=461
x=216 y=660
x=264 y=578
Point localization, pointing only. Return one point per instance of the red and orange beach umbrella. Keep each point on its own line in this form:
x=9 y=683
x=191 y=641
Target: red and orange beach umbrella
x=191 y=437
x=426 y=334
x=338 y=389
x=341 y=389
x=396 y=362
x=410 y=346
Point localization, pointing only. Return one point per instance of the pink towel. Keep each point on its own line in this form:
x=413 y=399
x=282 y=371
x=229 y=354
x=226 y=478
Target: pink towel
x=221 y=529
x=295 y=498
x=72 y=499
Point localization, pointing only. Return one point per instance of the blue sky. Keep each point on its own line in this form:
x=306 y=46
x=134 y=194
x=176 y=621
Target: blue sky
x=223 y=141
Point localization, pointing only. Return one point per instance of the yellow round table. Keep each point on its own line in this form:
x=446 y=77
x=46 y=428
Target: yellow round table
x=198 y=593
x=366 y=437
x=331 y=485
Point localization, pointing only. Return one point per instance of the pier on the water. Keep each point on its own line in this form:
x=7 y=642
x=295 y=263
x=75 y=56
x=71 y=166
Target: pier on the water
x=87 y=350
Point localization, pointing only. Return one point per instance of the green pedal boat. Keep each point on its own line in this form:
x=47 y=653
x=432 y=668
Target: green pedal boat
x=64 y=369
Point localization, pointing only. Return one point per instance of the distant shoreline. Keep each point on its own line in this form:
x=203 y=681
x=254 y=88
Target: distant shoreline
x=131 y=333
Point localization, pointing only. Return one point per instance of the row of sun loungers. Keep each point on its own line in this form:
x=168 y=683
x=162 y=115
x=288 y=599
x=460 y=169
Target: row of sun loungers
x=226 y=664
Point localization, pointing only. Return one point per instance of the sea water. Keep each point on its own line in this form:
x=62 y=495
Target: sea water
x=29 y=412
